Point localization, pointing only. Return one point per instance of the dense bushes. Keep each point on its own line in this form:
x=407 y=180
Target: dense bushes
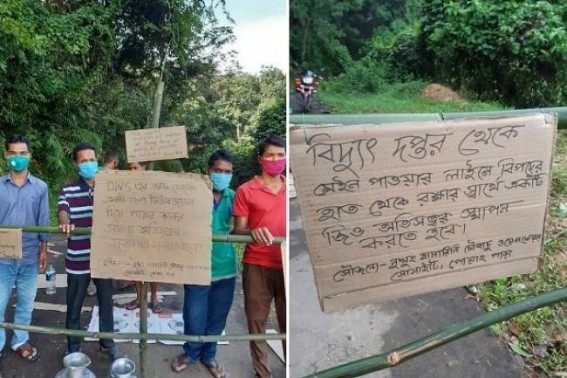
x=510 y=51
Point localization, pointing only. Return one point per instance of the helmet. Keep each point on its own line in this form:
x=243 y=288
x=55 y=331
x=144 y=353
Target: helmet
x=308 y=77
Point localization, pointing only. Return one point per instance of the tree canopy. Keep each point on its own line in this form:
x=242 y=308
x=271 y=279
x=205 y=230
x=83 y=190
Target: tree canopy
x=81 y=70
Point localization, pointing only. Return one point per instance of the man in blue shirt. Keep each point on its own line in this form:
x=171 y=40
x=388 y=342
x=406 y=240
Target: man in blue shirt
x=206 y=307
x=23 y=202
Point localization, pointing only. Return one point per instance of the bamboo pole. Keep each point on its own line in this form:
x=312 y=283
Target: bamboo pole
x=148 y=336
x=357 y=119
x=156 y=111
x=87 y=231
x=437 y=339
x=143 y=336
x=143 y=348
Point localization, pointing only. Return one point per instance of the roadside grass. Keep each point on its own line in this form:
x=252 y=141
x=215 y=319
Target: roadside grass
x=239 y=249
x=539 y=336
x=397 y=98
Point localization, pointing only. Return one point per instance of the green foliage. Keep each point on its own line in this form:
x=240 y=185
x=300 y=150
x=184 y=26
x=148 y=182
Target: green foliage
x=328 y=35
x=315 y=39
x=82 y=70
x=245 y=165
x=173 y=165
x=238 y=96
x=559 y=177
x=363 y=76
x=509 y=51
x=231 y=113
x=271 y=119
x=513 y=52
x=396 y=47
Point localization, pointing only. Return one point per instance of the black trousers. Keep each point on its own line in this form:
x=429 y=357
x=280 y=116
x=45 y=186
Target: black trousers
x=76 y=290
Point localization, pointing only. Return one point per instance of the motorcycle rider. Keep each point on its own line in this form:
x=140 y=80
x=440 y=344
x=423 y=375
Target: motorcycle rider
x=305 y=87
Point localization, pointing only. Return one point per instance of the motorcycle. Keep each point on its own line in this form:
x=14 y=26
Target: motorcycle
x=305 y=88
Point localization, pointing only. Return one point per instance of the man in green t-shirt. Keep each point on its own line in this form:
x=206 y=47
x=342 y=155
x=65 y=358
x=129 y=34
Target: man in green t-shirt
x=206 y=308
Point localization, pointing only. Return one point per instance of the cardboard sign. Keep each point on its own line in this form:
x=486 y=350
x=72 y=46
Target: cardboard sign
x=396 y=210
x=10 y=243
x=152 y=226
x=156 y=144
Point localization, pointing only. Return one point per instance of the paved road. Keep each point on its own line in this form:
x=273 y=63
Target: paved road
x=235 y=357
x=320 y=341
x=316 y=106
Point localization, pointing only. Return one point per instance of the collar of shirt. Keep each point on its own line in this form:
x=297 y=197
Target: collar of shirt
x=29 y=179
x=224 y=193
x=258 y=184
x=83 y=184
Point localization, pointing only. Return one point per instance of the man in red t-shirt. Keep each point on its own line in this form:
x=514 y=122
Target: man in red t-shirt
x=260 y=210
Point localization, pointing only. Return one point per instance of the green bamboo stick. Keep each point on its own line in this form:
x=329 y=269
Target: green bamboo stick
x=357 y=119
x=149 y=336
x=437 y=339
x=143 y=328
x=87 y=231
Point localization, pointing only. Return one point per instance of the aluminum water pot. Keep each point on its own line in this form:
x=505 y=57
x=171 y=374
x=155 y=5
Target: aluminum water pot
x=123 y=368
x=76 y=366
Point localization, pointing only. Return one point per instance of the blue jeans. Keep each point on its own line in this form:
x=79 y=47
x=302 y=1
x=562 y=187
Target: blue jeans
x=205 y=310
x=24 y=276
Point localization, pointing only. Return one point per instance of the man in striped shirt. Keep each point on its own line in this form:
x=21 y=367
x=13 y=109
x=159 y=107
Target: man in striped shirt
x=76 y=210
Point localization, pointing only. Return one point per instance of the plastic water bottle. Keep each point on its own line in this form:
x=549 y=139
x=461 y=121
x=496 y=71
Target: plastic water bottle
x=50 y=287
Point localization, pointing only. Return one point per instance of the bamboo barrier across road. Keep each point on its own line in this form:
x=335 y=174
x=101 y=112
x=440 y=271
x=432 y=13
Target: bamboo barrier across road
x=358 y=119
x=456 y=331
x=143 y=335
x=87 y=231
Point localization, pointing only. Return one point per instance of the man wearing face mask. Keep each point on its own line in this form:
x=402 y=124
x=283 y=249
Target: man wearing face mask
x=23 y=201
x=76 y=210
x=206 y=307
x=111 y=161
x=260 y=211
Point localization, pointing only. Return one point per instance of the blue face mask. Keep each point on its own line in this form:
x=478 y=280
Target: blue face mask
x=88 y=169
x=220 y=181
x=18 y=163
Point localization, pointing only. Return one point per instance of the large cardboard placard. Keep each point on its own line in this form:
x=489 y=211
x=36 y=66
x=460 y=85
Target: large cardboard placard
x=10 y=243
x=156 y=144
x=396 y=210
x=152 y=226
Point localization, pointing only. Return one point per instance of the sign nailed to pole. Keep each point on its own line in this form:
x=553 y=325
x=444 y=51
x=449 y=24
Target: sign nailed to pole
x=397 y=210
x=152 y=226
x=156 y=144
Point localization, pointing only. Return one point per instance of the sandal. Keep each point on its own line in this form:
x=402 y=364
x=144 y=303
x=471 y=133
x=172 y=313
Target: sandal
x=181 y=362
x=214 y=368
x=28 y=352
x=156 y=307
x=135 y=304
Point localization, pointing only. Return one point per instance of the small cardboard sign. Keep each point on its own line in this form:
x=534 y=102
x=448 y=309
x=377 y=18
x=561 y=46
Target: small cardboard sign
x=156 y=144
x=152 y=226
x=396 y=210
x=10 y=243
